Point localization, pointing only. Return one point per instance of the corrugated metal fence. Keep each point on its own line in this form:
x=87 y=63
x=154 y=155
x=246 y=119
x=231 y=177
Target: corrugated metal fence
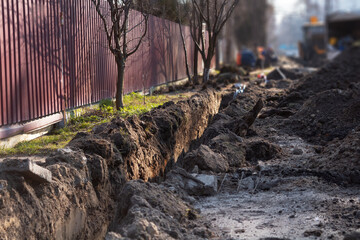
x=33 y=44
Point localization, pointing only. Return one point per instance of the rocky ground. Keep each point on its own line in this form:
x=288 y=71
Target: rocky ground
x=280 y=160
x=307 y=186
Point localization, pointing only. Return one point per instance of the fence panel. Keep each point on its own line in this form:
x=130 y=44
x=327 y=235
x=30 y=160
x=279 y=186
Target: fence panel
x=29 y=60
x=46 y=66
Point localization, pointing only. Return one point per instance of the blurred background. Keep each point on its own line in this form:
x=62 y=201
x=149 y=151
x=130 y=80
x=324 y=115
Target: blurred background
x=310 y=30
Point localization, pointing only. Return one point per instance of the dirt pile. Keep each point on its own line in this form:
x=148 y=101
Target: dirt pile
x=151 y=211
x=328 y=115
x=342 y=157
x=338 y=74
x=224 y=133
x=226 y=144
x=72 y=206
x=331 y=101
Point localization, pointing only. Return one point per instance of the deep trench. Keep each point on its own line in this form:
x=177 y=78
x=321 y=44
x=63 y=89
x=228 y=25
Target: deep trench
x=80 y=203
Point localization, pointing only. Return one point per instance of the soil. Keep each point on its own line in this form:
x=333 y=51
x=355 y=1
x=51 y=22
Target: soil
x=278 y=161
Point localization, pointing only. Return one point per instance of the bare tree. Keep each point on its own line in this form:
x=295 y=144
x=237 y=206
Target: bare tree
x=115 y=17
x=182 y=15
x=212 y=14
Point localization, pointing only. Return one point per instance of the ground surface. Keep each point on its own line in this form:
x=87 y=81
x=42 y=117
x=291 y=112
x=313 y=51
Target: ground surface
x=311 y=190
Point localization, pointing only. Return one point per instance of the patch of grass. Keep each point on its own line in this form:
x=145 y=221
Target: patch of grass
x=41 y=145
x=59 y=138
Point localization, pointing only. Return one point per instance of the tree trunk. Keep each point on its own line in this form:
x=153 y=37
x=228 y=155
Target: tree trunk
x=206 y=74
x=196 y=62
x=120 y=62
x=207 y=65
x=196 y=56
x=185 y=52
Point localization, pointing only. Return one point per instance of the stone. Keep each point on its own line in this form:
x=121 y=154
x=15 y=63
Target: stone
x=248 y=183
x=209 y=181
x=67 y=155
x=316 y=233
x=3 y=184
x=261 y=150
x=137 y=228
x=28 y=169
x=193 y=184
x=352 y=236
x=152 y=229
x=113 y=236
x=231 y=146
x=203 y=232
x=98 y=170
x=195 y=169
x=206 y=159
x=297 y=151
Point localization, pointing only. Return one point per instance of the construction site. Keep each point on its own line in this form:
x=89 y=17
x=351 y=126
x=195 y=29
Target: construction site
x=263 y=144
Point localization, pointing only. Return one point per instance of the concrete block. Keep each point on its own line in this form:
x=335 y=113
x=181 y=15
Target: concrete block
x=209 y=181
x=27 y=168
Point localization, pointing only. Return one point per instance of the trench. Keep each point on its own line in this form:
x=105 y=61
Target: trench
x=87 y=176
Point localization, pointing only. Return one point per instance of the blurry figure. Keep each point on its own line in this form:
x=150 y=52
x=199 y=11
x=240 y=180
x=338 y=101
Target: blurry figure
x=333 y=41
x=246 y=58
x=261 y=56
x=266 y=57
x=238 y=59
x=345 y=42
x=270 y=57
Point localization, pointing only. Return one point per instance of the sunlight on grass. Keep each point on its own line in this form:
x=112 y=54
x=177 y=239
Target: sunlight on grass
x=59 y=138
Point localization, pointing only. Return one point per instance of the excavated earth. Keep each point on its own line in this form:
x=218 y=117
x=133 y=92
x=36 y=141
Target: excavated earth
x=279 y=161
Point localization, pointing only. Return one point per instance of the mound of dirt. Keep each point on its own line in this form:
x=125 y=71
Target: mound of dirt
x=205 y=159
x=221 y=147
x=76 y=204
x=261 y=150
x=150 y=211
x=328 y=101
x=342 y=157
x=338 y=74
x=231 y=146
x=328 y=115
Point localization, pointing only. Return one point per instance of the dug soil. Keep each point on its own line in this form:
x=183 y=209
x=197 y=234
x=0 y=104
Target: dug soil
x=280 y=160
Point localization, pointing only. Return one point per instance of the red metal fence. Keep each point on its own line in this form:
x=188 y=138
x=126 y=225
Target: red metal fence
x=34 y=48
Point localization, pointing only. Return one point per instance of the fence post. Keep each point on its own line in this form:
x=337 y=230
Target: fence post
x=62 y=81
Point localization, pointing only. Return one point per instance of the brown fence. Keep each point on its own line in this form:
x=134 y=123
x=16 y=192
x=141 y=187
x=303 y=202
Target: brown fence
x=36 y=51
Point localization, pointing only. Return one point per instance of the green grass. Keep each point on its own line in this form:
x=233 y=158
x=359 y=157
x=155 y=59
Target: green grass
x=59 y=138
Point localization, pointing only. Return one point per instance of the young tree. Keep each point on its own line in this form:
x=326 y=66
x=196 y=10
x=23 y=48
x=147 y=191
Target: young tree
x=213 y=14
x=181 y=11
x=115 y=17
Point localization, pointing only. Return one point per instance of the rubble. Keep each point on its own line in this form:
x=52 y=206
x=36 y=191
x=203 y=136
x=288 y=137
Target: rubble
x=28 y=169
